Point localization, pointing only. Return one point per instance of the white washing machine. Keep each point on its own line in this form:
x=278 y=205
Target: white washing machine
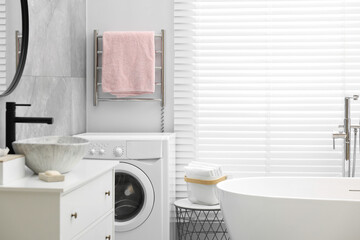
x=144 y=181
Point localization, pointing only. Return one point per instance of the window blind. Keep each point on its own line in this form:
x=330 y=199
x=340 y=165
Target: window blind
x=259 y=85
x=2 y=45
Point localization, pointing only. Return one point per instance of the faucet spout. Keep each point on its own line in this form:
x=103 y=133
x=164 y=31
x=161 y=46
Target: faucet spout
x=44 y=120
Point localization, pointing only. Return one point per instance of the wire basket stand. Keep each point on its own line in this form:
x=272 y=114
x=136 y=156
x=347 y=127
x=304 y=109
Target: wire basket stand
x=199 y=222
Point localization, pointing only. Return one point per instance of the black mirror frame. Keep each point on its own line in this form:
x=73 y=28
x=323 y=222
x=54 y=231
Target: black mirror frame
x=24 y=48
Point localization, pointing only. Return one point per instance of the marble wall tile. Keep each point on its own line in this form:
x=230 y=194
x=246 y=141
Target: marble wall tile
x=77 y=11
x=78 y=105
x=54 y=78
x=60 y=98
x=49 y=39
x=51 y=98
x=57 y=38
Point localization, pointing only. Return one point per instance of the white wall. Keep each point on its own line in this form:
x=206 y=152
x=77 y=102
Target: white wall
x=134 y=15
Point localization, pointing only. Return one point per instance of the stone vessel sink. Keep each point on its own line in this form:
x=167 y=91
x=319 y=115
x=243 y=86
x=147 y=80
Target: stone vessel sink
x=51 y=153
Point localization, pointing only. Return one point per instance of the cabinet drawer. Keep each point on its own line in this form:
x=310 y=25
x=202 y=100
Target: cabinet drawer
x=85 y=205
x=101 y=231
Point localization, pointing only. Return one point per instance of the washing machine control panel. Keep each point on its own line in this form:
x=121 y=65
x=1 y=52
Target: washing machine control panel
x=118 y=151
x=124 y=149
x=106 y=150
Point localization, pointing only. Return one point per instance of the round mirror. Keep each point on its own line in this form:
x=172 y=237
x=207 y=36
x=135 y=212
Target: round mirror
x=14 y=37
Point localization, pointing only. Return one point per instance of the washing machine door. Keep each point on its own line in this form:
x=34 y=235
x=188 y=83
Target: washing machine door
x=134 y=197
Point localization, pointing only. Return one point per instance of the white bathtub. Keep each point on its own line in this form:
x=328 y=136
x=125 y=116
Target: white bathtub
x=291 y=208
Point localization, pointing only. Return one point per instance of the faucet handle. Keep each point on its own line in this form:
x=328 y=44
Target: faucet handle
x=336 y=136
x=23 y=105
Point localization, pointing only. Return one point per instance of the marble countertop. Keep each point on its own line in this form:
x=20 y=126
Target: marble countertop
x=84 y=172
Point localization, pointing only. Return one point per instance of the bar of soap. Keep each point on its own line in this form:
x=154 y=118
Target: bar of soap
x=52 y=173
x=51 y=176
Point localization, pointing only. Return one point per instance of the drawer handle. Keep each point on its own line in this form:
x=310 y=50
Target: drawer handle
x=108 y=237
x=107 y=193
x=74 y=215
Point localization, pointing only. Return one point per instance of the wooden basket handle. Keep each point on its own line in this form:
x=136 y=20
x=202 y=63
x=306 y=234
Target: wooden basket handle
x=205 y=182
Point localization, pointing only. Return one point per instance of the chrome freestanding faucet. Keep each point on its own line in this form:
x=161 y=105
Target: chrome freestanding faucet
x=346 y=135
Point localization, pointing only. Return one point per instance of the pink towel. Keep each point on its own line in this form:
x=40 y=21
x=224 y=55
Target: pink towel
x=128 y=63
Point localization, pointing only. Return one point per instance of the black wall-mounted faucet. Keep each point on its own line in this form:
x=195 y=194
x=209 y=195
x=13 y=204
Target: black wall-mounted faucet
x=12 y=119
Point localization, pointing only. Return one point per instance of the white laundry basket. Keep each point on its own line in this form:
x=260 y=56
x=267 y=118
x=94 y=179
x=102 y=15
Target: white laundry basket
x=203 y=191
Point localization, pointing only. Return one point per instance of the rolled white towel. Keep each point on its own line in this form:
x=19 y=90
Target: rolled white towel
x=203 y=171
x=217 y=169
x=199 y=172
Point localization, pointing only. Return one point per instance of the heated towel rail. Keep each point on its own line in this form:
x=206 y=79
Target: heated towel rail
x=98 y=68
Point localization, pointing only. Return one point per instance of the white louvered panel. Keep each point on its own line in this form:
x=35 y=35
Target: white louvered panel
x=2 y=45
x=259 y=85
x=2 y=74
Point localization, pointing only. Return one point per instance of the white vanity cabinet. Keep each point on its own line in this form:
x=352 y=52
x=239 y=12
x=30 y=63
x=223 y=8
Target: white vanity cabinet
x=81 y=207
